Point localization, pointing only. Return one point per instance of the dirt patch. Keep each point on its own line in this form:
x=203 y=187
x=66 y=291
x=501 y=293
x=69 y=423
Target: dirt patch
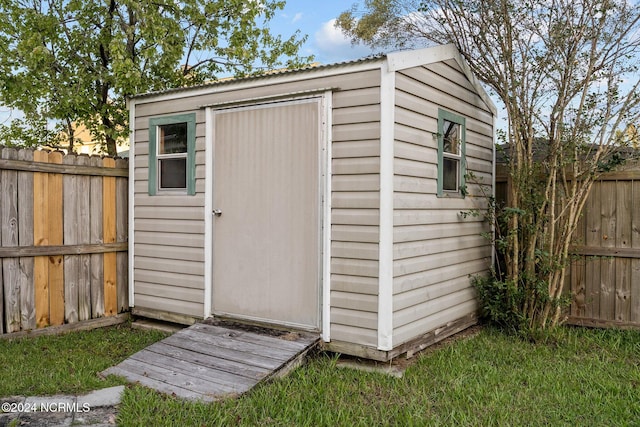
x=246 y=327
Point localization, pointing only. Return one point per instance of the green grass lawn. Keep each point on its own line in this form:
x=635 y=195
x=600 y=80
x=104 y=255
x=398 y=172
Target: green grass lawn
x=68 y=363
x=580 y=377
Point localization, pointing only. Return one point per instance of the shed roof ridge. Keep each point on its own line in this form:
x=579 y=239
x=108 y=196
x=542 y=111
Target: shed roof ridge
x=266 y=74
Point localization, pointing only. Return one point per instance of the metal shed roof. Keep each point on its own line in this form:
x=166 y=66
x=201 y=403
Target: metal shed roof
x=276 y=73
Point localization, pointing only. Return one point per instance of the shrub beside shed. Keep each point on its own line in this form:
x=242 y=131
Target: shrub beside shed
x=326 y=199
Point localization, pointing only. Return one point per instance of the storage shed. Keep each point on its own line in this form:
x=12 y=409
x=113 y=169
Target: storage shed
x=327 y=199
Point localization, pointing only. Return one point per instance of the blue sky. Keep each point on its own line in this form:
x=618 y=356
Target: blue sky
x=315 y=18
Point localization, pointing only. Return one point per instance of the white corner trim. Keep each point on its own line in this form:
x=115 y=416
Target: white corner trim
x=132 y=144
x=403 y=59
x=208 y=212
x=493 y=189
x=385 y=262
x=327 y=102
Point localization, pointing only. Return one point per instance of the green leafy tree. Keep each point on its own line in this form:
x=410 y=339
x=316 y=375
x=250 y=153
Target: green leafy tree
x=65 y=63
x=566 y=72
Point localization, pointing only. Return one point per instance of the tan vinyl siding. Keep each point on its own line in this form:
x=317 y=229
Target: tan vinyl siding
x=167 y=224
x=355 y=215
x=458 y=309
x=435 y=247
x=168 y=234
x=172 y=305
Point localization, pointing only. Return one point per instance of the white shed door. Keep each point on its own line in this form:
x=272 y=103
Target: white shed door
x=266 y=240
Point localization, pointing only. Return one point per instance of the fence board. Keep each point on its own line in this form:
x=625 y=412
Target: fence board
x=1 y=270
x=109 y=236
x=623 y=240
x=25 y=238
x=9 y=224
x=72 y=223
x=41 y=238
x=635 y=243
x=83 y=187
x=593 y=224
x=96 y=220
x=56 y=233
x=122 y=231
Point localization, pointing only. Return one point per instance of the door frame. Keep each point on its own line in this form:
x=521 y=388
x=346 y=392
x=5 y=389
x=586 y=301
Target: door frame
x=324 y=98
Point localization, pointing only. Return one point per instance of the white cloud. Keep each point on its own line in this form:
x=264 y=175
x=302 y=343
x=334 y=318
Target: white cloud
x=297 y=17
x=332 y=46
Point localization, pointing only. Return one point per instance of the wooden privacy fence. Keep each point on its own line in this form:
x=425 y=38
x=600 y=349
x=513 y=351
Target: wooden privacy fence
x=604 y=277
x=63 y=234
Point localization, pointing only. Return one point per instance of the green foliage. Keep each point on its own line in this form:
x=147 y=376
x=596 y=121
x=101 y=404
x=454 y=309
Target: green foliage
x=78 y=60
x=500 y=302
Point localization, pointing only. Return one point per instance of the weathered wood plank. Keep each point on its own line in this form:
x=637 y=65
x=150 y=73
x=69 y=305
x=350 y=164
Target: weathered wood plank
x=635 y=291
x=592 y=239
x=97 y=283
x=608 y=240
x=72 y=225
x=222 y=379
x=606 y=251
x=635 y=243
x=122 y=232
x=41 y=238
x=209 y=363
x=296 y=343
x=109 y=236
x=36 y=166
x=599 y=323
x=25 y=237
x=1 y=274
x=170 y=376
x=592 y=287
x=62 y=250
x=623 y=241
x=635 y=214
x=56 y=232
x=83 y=186
x=9 y=224
x=206 y=348
x=213 y=362
x=70 y=327
x=577 y=269
x=623 y=290
x=155 y=384
x=228 y=342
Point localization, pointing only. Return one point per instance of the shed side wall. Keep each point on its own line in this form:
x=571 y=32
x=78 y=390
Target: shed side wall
x=435 y=248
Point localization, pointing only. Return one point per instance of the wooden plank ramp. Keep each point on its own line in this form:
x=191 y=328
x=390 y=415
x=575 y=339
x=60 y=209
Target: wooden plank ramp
x=209 y=362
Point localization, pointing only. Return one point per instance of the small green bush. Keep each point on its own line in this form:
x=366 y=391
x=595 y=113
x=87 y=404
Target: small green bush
x=499 y=303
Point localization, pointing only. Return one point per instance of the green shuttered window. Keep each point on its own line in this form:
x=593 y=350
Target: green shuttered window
x=172 y=154
x=451 y=154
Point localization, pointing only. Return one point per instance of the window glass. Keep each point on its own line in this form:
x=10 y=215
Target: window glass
x=451 y=154
x=173 y=172
x=450 y=174
x=173 y=138
x=451 y=137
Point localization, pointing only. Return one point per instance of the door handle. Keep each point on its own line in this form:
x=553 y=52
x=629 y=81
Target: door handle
x=217 y=212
